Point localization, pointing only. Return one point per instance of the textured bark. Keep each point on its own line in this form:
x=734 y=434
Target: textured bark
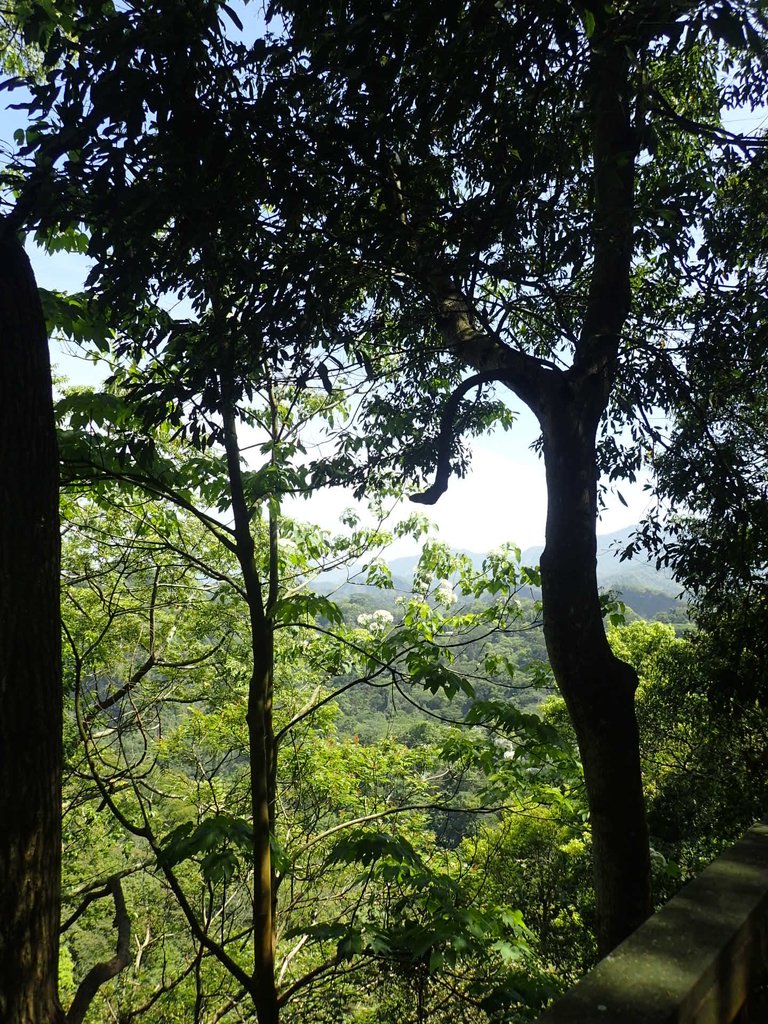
x=262 y=803
x=30 y=661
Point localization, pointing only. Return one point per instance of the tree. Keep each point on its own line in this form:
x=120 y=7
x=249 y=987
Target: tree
x=472 y=190
x=30 y=662
x=184 y=49
x=161 y=620
x=711 y=466
x=30 y=667
x=30 y=658
x=529 y=194
x=703 y=756
x=544 y=858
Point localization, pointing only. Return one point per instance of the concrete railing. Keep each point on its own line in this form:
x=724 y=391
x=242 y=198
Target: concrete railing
x=702 y=959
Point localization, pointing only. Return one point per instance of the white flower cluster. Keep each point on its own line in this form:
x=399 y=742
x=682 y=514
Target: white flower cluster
x=444 y=594
x=377 y=622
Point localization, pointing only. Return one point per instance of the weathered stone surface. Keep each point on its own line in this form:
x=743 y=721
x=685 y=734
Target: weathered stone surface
x=695 y=961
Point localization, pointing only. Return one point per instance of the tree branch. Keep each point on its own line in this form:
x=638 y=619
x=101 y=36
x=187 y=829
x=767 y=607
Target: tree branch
x=443 y=471
x=108 y=969
x=526 y=375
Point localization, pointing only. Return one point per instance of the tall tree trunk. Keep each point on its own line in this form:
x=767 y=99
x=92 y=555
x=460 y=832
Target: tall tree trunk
x=30 y=658
x=262 y=801
x=260 y=730
x=597 y=687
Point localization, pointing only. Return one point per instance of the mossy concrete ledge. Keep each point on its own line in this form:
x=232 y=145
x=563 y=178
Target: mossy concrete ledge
x=697 y=961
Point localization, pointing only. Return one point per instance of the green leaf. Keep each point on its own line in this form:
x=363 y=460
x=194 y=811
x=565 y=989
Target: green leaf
x=219 y=865
x=435 y=676
x=76 y=317
x=307 y=606
x=281 y=862
x=728 y=27
x=365 y=847
x=222 y=839
x=327 y=930
x=234 y=18
x=378 y=574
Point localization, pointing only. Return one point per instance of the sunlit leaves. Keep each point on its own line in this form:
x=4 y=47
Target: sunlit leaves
x=76 y=318
x=306 y=607
x=220 y=842
x=527 y=729
x=429 y=920
x=368 y=847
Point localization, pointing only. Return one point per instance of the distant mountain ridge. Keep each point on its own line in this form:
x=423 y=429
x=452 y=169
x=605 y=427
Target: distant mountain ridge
x=610 y=568
x=646 y=589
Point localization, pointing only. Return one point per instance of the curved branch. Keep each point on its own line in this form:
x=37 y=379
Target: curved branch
x=108 y=969
x=443 y=471
x=97 y=891
x=308 y=978
x=528 y=376
x=153 y=488
x=388 y=812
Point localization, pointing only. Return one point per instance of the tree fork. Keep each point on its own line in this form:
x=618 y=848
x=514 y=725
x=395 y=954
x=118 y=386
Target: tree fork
x=598 y=688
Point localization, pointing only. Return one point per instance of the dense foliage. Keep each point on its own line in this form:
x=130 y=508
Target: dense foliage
x=432 y=846
x=312 y=242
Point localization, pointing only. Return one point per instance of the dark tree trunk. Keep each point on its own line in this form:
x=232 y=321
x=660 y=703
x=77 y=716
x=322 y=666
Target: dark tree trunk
x=597 y=687
x=260 y=730
x=262 y=806
x=30 y=660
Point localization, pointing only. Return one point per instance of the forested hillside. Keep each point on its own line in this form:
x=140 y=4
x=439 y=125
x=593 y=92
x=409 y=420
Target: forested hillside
x=253 y=770
x=431 y=840
x=431 y=835
x=646 y=588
